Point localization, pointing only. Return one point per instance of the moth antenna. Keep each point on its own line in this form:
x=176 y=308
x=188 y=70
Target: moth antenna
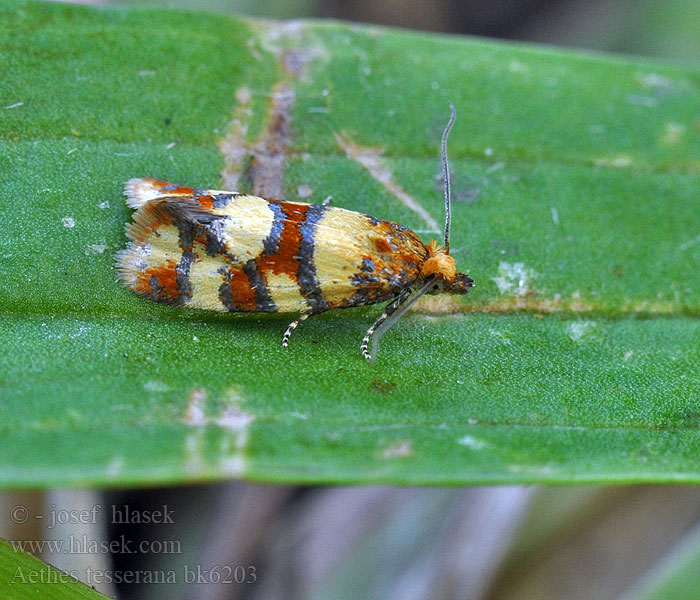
x=396 y=316
x=446 y=176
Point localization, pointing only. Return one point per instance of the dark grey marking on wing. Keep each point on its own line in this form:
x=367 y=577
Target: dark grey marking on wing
x=216 y=244
x=263 y=300
x=272 y=241
x=225 y=294
x=309 y=285
x=368 y=265
x=222 y=200
x=184 y=286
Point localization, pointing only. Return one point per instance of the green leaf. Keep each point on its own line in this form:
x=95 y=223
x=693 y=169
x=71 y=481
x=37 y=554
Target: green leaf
x=574 y=359
x=23 y=576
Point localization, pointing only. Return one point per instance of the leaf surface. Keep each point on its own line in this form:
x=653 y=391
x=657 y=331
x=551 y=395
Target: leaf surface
x=575 y=179
x=22 y=576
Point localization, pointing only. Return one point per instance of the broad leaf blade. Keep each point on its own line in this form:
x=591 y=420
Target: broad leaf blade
x=23 y=576
x=575 y=183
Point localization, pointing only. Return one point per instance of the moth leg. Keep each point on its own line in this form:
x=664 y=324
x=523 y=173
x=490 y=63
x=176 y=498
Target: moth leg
x=292 y=326
x=388 y=311
x=327 y=201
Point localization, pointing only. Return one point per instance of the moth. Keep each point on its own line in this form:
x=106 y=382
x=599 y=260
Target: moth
x=228 y=251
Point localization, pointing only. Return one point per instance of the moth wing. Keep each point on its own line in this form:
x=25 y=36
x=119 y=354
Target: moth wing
x=155 y=265
x=233 y=252
x=141 y=190
x=362 y=260
x=185 y=250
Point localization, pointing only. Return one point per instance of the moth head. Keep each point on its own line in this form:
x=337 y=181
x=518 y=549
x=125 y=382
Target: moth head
x=440 y=267
x=459 y=285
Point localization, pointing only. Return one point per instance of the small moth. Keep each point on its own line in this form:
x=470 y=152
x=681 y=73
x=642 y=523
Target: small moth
x=227 y=251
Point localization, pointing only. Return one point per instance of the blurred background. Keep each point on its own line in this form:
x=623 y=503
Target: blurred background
x=668 y=29
x=243 y=541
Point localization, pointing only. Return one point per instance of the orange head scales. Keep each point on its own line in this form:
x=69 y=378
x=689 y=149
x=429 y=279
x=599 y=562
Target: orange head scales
x=441 y=267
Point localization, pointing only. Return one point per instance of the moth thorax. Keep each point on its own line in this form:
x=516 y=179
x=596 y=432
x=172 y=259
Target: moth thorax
x=438 y=263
